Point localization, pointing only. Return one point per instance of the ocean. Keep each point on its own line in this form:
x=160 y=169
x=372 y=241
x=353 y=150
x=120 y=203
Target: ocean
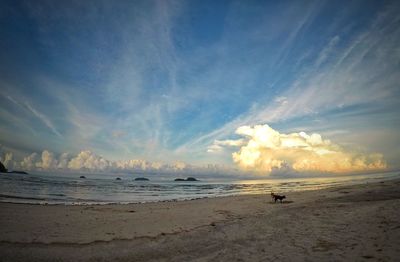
x=70 y=189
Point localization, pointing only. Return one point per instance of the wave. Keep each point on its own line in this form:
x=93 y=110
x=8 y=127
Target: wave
x=46 y=189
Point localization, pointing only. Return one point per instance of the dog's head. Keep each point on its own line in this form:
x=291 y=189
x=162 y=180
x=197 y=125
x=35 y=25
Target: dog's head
x=283 y=197
x=272 y=194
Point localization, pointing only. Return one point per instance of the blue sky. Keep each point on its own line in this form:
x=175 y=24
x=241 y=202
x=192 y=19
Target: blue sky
x=164 y=80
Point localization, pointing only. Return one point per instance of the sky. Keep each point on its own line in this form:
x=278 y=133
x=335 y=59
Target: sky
x=265 y=87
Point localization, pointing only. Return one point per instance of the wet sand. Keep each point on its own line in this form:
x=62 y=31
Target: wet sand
x=352 y=223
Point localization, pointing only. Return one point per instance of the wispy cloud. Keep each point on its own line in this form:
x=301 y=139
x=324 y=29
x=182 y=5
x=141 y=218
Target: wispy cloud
x=44 y=119
x=343 y=74
x=170 y=80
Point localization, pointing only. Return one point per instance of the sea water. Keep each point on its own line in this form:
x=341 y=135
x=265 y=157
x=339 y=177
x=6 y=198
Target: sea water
x=70 y=189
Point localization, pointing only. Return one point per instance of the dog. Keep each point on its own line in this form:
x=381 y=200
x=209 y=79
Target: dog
x=276 y=197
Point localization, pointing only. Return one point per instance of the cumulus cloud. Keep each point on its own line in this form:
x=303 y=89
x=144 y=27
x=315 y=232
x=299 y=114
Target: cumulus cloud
x=29 y=162
x=265 y=150
x=179 y=166
x=88 y=160
x=48 y=161
x=136 y=165
x=8 y=160
x=261 y=149
x=63 y=161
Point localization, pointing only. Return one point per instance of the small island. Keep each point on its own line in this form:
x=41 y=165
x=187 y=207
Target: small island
x=187 y=179
x=82 y=177
x=118 y=178
x=141 y=179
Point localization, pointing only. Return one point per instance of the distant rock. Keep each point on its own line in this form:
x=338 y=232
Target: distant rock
x=19 y=172
x=118 y=178
x=187 y=179
x=141 y=179
x=82 y=177
x=3 y=169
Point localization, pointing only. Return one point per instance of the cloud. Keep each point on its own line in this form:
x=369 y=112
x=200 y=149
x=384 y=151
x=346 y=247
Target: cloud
x=88 y=160
x=63 y=161
x=134 y=165
x=345 y=72
x=281 y=100
x=28 y=163
x=45 y=120
x=169 y=98
x=214 y=148
x=219 y=145
x=265 y=150
x=48 y=161
x=8 y=160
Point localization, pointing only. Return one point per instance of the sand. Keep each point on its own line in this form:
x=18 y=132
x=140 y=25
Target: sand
x=352 y=223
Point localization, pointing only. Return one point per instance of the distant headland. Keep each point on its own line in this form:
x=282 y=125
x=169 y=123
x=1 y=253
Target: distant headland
x=3 y=169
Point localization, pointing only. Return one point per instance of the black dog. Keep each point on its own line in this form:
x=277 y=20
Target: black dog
x=277 y=197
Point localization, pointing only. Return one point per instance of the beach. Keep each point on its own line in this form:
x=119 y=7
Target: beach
x=345 y=223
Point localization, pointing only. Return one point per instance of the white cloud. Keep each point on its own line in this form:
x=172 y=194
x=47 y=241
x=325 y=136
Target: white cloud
x=45 y=120
x=180 y=166
x=28 y=163
x=281 y=100
x=343 y=74
x=88 y=160
x=214 y=148
x=265 y=149
x=230 y=143
x=8 y=161
x=63 y=161
x=219 y=145
x=48 y=161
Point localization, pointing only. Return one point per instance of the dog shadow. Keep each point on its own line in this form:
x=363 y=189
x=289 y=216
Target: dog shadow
x=283 y=202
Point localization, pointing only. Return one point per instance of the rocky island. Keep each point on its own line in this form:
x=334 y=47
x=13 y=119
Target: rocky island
x=187 y=179
x=141 y=179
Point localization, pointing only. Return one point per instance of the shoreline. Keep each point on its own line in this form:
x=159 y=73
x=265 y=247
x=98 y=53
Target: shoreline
x=55 y=202
x=308 y=223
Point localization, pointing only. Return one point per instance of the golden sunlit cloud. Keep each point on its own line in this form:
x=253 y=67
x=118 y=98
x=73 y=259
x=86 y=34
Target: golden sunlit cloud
x=265 y=149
